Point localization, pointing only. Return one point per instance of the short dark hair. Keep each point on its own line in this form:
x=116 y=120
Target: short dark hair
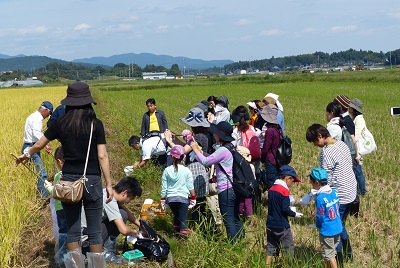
x=334 y=108
x=59 y=153
x=314 y=180
x=151 y=101
x=314 y=130
x=133 y=140
x=131 y=184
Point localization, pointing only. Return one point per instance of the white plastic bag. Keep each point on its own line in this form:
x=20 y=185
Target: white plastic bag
x=366 y=144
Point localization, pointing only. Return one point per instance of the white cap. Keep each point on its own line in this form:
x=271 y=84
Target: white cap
x=252 y=105
x=275 y=97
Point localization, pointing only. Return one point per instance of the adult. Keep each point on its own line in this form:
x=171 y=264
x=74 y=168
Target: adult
x=272 y=137
x=33 y=133
x=335 y=158
x=221 y=111
x=333 y=111
x=253 y=111
x=273 y=99
x=154 y=122
x=355 y=109
x=151 y=148
x=73 y=131
x=223 y=161
x=58 y=112
x=344 y=102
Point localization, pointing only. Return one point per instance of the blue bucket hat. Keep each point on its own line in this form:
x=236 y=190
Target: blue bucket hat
x=319 y=174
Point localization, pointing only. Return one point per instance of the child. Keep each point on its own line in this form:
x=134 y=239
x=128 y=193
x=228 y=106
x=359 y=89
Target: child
x=177 y=183
x=60 y=248
x=327 y=216
x=279 y=234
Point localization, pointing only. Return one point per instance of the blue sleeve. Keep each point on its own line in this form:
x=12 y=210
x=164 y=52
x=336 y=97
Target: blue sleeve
x=320 y=212
x=286 y=207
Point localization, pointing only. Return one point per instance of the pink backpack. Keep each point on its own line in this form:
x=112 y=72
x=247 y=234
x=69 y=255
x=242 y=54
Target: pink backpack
x=252 y=142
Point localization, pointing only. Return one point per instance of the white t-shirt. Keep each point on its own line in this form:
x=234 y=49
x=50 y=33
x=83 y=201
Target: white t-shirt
x=33 y=128
x=152 y=146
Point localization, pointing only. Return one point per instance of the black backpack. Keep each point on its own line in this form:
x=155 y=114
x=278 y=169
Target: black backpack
x=284 y=152
x=243 y=181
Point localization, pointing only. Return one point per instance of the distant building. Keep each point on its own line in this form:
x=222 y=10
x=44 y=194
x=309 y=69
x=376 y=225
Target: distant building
x=154 y=76
x=27 y=83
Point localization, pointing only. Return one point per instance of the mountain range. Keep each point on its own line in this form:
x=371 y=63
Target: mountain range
x=26 y=63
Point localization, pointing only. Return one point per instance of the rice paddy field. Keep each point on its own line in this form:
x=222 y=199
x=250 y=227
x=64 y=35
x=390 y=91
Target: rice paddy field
x=375 y=234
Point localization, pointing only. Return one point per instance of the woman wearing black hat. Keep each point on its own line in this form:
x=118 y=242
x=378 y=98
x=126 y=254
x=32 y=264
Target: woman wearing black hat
x=73 y=131
x=222 y=158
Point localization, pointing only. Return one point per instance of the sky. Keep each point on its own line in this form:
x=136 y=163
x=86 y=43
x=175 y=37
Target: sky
x=208 y=30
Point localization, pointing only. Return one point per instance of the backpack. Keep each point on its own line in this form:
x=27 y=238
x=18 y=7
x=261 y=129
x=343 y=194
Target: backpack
x=243 y=181
x=346 y=138
x=254 y=148
x=284 y=152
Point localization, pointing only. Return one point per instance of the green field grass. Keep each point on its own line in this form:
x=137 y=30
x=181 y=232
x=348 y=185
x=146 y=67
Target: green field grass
x=374 y=235
x=121 y=104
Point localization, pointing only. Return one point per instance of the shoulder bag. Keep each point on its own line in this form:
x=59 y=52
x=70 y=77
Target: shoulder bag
x=72 y=191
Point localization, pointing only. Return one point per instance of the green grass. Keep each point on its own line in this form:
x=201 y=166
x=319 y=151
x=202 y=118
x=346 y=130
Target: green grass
x=374 y=235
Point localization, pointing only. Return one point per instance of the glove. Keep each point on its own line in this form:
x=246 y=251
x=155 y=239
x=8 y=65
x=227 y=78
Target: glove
x=128 y=170
x=49 y=187
x=163 y=205
x=192 y=202
x=298 y=215
x=305 y=200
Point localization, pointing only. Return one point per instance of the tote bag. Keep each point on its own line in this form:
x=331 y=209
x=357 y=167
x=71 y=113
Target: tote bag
x=366 y=144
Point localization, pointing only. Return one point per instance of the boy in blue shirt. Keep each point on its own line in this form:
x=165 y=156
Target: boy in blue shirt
x=279 y=234
x=327 y=215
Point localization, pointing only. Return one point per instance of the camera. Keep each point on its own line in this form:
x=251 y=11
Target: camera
x=395 y=111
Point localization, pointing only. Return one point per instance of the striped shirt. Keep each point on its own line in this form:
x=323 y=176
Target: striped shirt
x=336 y=160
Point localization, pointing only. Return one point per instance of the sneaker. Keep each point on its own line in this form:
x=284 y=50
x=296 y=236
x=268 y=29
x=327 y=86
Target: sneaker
x=185 y=232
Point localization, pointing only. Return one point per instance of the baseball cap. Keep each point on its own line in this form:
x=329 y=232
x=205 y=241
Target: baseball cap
x=319 y=174
x=287 y=170
x=177 y=151
x=47 y=105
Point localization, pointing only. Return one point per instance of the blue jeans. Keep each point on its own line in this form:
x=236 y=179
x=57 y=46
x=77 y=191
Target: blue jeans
x=40 y=170
x=62 y=238
x=362 y=188
x=180 y=211
x=93 y=205
x=229 y=207
x=343 y=211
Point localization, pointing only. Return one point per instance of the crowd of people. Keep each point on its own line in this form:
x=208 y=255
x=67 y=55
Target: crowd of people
x=197 y=173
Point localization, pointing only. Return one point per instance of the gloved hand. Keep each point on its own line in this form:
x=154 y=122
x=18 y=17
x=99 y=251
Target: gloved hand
x=305 y=200
x=298 y=215
x=128 y=170
x=192 y=202
x=49 y=186
x=163 y=204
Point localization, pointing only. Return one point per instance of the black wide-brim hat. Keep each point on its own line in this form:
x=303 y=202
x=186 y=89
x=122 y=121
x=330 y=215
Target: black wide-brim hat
x=223 y=130
x=78 y=94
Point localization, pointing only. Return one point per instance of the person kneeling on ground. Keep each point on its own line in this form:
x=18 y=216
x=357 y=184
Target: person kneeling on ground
x=115 y=216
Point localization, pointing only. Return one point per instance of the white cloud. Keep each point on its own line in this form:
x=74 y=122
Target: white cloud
x=271 y=32
x=394 y=14
x=336 y=29
x=118 y=28
x=243 y=22
x=309 y=30
x=162 y=28
x=82 y=27
x=30 y=30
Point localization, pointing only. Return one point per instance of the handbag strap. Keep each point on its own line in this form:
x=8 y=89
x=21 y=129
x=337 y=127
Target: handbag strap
x=87 y=155
x=88 y=150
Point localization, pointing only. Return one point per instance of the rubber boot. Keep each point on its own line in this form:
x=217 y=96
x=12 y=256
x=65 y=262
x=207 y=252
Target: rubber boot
x=74 y=259
x=339 y=259
x=110 y=247
x=347 y=250
x=96 y=260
